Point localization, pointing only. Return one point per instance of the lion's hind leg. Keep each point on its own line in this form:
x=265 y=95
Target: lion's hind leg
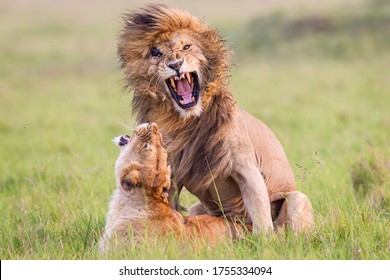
x=292 y=209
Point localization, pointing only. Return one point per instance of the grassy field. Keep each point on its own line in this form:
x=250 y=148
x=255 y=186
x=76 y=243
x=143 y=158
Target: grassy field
x=318 y=75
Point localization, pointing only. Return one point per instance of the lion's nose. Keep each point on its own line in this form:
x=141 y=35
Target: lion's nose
x=176 y=64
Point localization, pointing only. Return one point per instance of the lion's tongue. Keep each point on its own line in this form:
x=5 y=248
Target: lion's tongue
x=184 y=89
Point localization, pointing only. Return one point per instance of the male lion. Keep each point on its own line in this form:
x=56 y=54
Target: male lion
x=177 y=69
x=140 y=207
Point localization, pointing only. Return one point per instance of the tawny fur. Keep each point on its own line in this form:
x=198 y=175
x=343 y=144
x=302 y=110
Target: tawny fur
x=220 y=153
x=140 y=209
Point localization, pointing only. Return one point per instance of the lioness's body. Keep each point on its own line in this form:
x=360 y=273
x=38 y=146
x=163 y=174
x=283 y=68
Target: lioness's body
x=139 y=207
x=129 y=216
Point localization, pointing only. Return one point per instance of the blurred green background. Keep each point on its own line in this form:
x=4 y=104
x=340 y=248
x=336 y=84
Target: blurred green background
x=316 y=72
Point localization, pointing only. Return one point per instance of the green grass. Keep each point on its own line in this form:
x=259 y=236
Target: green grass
x=61 y=103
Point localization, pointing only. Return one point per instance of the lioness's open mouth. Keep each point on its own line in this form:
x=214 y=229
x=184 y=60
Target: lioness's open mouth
x=184 y=89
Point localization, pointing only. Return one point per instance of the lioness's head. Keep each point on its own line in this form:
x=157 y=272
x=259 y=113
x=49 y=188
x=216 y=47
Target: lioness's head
x=172 y=57
x=142 y=162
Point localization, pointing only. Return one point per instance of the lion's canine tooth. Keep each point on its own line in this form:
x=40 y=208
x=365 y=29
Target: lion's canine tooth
x=193 y=99
x=172 y=82
x=188 y=76
x=181 y=102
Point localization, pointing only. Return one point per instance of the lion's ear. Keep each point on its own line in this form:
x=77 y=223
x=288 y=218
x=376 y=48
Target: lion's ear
x=131 y=180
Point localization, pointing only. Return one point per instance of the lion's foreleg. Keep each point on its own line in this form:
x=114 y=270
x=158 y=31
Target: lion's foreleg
x=197 y=209
x=255 y=196
x=173 y=195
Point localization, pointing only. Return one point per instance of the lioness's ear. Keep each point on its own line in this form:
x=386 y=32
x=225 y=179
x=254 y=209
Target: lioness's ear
x=165 y=194
x=152 y=126
x=131 y=180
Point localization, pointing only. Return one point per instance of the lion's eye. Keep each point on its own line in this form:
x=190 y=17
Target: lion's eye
x=156 y=52
x=186 y=47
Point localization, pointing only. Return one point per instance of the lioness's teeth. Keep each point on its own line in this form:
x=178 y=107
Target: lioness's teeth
x=193 y=99
x=182 y=76
x=188 y=76
x=181 y=102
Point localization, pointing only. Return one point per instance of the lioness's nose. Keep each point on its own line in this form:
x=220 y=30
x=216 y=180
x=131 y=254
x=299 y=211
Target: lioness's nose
x=175 y=64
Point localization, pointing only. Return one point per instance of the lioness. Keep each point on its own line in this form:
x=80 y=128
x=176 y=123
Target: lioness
x=140 y=203
x=178 y=70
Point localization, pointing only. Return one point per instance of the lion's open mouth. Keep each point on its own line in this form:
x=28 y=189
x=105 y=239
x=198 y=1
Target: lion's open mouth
x=184 y=89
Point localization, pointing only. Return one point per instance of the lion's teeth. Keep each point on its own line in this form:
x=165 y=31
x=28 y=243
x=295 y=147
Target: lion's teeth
x=172 y=82
x=193 y=99
x=176 y=78
x=188 y=76
x=182 y=76
x=181 y=102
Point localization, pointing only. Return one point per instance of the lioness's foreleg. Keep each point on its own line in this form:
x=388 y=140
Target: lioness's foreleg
x=295 y=211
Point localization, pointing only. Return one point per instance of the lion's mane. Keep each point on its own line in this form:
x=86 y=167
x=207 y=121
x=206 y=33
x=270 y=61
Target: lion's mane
x=196 y=159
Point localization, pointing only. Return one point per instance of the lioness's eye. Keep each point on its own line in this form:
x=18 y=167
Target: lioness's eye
x=186 y=47
x=156 y=52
